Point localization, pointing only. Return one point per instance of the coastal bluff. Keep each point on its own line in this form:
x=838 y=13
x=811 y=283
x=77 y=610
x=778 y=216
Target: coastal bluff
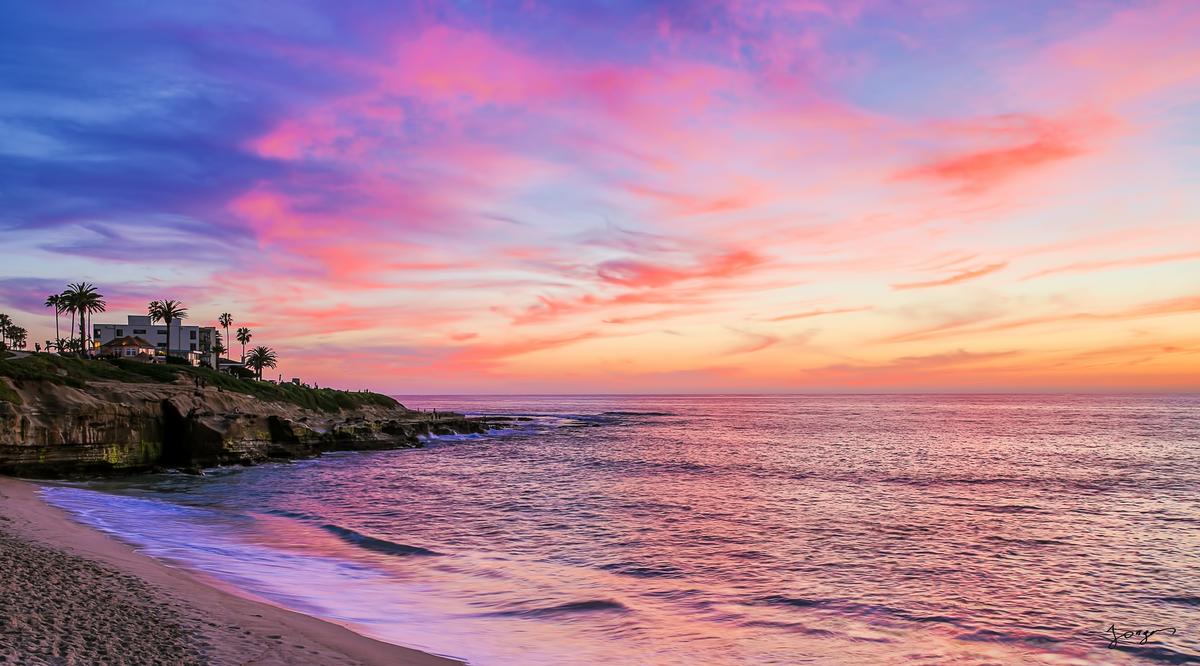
x=66 y=417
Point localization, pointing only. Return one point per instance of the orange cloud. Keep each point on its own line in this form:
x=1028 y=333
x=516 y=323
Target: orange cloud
x=630 y=273
x=964 y=326
x=754 y=342
x=816 y=313
x=954 y=279
x=910 y=370
x=1085 y=266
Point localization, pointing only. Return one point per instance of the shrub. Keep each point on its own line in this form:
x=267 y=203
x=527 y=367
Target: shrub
x=77 y=372
x=7 y=394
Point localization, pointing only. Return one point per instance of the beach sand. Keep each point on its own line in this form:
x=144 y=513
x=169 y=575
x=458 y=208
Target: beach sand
x=71 y=595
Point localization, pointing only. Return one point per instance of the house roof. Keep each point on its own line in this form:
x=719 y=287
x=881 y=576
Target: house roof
x=127 y=341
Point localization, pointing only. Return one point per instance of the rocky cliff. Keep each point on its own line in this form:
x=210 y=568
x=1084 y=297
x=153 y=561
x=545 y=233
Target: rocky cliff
x=49 y=428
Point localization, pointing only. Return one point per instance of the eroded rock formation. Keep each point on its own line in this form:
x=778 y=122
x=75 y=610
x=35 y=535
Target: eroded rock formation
x=55 y=430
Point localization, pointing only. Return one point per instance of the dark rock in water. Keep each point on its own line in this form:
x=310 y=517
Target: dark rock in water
x=104 y=427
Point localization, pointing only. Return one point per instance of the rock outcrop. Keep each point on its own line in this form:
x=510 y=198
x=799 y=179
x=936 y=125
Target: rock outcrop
x=52 y=429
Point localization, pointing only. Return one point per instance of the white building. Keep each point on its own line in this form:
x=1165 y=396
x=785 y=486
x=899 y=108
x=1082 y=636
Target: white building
x=194 y=342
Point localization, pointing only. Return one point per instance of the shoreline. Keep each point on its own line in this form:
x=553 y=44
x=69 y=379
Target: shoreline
x=77 y=584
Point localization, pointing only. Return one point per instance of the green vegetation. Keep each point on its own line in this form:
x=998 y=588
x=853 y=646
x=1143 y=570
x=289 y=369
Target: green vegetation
x=167 y=311
x=11 y=335
x=84 y=299
x=243 y=336
x=261 y=357
x=59 y=369
x=77 y=372
x=9 y=395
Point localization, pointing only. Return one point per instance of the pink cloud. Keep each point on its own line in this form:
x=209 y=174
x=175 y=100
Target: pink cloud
x=808 y=314
x=979 y=325
x=1129 y=262
x=1026 y=144
x=631 y=273
x=963 y=276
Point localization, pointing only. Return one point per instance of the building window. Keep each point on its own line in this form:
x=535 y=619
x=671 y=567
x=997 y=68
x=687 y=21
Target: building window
x=193 y=335
x=193 y=346
x=120 y=332
x=161 y=331
x=139 y=331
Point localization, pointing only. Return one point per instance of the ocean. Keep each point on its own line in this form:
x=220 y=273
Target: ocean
x=884 y=529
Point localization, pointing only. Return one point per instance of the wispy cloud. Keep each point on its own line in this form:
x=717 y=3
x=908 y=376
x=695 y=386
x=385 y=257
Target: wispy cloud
x=1128 y=262
x=968 y=326
x=807 y=314
x=962 y=276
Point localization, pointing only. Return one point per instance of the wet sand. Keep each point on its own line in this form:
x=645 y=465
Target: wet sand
x=71 y=595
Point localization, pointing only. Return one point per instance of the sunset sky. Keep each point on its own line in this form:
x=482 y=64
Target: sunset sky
x=623 y=196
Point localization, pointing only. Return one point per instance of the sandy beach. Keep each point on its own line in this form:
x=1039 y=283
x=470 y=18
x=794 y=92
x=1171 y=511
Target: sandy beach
x=71 y=595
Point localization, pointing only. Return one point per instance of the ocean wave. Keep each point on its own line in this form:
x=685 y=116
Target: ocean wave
x=375 y=544
x=792 y=627
x=291 y=514
x=1028 y=542
x=570 y=608
x=1008 y=508
x=1041 y=640
x=1160 y=654
x=642 y=571
x=862 y=610
x=797 y=602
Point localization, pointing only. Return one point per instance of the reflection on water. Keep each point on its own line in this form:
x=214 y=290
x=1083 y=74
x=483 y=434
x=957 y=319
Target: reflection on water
x=724 y=530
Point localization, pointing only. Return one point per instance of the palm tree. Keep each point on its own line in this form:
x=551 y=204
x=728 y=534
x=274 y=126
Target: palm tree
x=243 y=336
x=67 y=307
x=83 y=298
x=218 y=347
x=167 y=312
x=55 y=301
x=261 y=357
x=18 y=336
x=225 y=320
x=5 y=322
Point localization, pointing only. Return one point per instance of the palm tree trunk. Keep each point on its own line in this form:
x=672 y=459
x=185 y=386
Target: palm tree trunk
x=71 y=332
x=57 y=336
x=82 y=323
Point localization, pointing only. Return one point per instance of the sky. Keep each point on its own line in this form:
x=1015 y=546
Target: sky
x=623 y=196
